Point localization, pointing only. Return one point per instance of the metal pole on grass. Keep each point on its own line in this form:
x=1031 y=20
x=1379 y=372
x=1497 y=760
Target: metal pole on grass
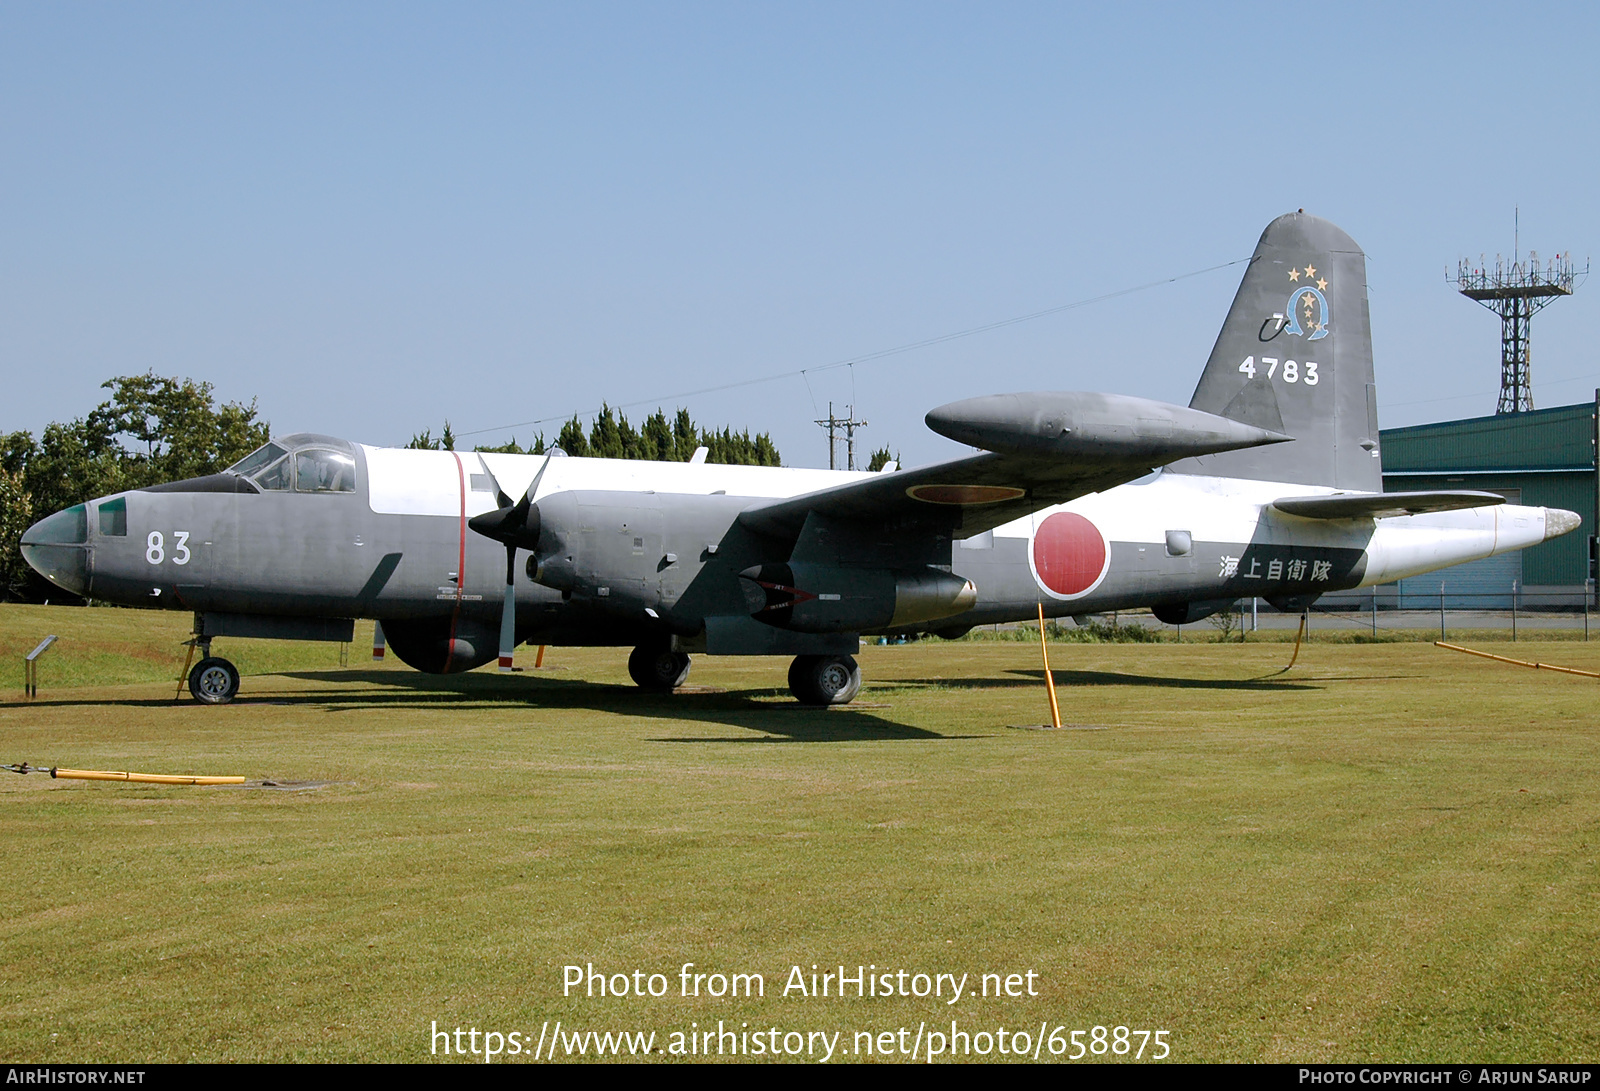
x=1513 y=609
x=30 y=667
x=1441 y=610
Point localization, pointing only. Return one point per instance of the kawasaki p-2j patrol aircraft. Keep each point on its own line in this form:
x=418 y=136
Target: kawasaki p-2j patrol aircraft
x=1267 y=485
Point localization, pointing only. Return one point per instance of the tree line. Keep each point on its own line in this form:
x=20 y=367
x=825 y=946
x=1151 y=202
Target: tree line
x=656 y=440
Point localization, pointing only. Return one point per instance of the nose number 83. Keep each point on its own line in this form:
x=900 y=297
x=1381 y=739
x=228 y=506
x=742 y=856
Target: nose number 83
x=155 y=547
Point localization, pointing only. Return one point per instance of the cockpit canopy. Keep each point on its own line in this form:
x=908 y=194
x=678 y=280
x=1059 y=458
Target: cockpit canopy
x=303 y=462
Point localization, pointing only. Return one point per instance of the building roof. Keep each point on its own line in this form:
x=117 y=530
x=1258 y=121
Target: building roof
x=1544 y=439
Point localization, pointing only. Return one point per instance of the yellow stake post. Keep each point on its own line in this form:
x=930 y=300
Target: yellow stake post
x=1049 y=679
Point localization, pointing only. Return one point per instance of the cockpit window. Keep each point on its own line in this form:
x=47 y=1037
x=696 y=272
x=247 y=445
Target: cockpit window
x=258 y=459
x=318 y=470
x=276 y=476
x=311 y=468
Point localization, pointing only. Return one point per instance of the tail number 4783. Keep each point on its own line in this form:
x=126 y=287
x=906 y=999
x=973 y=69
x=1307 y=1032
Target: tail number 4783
x=1291 y=372
x=155 y=547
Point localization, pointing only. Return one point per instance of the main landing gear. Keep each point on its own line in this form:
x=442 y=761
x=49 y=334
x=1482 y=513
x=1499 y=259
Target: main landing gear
x=813 y=679
x=656 y=667
x=214 y=681
x=824 y=679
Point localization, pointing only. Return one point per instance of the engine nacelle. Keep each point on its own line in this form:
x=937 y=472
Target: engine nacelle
x=629 y=553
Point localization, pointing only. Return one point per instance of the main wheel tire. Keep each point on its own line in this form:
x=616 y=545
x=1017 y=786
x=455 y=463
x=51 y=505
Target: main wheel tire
x=824 y=679
x=658 y=668
x=214 y=681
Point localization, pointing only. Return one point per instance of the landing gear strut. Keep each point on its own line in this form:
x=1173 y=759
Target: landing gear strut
x=655 y=667
x=824 y=679
x=214 y=681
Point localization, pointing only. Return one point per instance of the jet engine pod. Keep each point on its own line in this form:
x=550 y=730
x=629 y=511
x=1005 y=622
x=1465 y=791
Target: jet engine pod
x=1186 y=613
x=812 y=598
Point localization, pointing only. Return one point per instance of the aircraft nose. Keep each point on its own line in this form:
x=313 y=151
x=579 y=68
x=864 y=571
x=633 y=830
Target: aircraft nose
x=57 y=548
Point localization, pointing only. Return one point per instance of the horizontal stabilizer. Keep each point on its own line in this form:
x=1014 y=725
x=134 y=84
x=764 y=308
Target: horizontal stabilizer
x=1381 y=505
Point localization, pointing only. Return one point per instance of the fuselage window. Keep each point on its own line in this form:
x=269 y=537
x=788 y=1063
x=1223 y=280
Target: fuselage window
x=324 y=471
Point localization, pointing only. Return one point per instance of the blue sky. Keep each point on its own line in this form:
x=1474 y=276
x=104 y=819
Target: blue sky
x=375 y=217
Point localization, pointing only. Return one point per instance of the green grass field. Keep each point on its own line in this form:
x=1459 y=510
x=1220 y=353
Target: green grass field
x=1387 y=853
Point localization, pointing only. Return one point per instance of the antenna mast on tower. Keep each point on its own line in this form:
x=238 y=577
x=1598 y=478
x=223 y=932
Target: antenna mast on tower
x=1515 y=290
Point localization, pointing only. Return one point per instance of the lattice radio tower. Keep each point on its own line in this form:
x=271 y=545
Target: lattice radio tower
x=1515 y=290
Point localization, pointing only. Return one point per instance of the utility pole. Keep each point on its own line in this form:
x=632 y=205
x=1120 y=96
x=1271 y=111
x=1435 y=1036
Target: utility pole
x=849 y=424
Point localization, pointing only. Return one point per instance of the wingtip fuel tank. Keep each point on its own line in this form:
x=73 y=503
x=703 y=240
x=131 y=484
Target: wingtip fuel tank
x=1065 y=424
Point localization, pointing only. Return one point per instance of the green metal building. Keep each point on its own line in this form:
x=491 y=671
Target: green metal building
x=1542 y=458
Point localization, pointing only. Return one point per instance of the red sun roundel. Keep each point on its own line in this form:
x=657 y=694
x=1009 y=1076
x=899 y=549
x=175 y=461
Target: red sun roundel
x=1069 y=555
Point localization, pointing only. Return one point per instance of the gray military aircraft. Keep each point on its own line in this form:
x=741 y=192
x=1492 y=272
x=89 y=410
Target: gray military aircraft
x=1268 y=484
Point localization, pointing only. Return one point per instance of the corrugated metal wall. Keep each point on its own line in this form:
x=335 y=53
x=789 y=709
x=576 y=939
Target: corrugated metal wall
x=1547 y=455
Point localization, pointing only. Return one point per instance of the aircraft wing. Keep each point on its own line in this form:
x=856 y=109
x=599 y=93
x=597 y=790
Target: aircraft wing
x=1039 y=450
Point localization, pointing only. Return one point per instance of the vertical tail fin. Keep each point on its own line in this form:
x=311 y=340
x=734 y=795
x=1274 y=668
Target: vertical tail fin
x=1295 y=356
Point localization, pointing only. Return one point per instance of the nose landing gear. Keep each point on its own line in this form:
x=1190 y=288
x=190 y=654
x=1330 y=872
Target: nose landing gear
x=214 y=681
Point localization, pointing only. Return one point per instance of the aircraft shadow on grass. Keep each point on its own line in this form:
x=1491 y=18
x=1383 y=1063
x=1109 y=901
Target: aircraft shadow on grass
x=750 y=709
x=1034 y=677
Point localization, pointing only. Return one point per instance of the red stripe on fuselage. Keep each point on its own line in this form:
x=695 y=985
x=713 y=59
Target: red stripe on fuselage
x=461 y=565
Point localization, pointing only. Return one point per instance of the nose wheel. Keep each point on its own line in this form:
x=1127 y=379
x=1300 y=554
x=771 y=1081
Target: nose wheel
x=658 y=668
x=824 y=679
x=214 y=681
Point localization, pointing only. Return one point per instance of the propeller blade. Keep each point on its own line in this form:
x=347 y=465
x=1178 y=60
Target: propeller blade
x=508 y=614
x=512 y=524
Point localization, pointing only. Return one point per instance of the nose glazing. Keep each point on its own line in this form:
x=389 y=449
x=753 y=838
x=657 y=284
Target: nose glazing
x=57 y=548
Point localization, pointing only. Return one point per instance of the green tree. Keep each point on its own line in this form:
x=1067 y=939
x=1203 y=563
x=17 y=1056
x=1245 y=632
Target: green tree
x=184 y=433
x=881 y=458
x=16 y=513
x=512 y=447
x=572 y=440
x=424 y=441
x=605 y=438
x=685 y=437
x=655 y=438
x=612 y=435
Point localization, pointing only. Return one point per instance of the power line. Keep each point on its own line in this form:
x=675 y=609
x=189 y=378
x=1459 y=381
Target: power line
x=881 y=354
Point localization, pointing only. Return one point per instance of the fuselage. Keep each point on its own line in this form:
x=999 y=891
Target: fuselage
x=656 y=547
